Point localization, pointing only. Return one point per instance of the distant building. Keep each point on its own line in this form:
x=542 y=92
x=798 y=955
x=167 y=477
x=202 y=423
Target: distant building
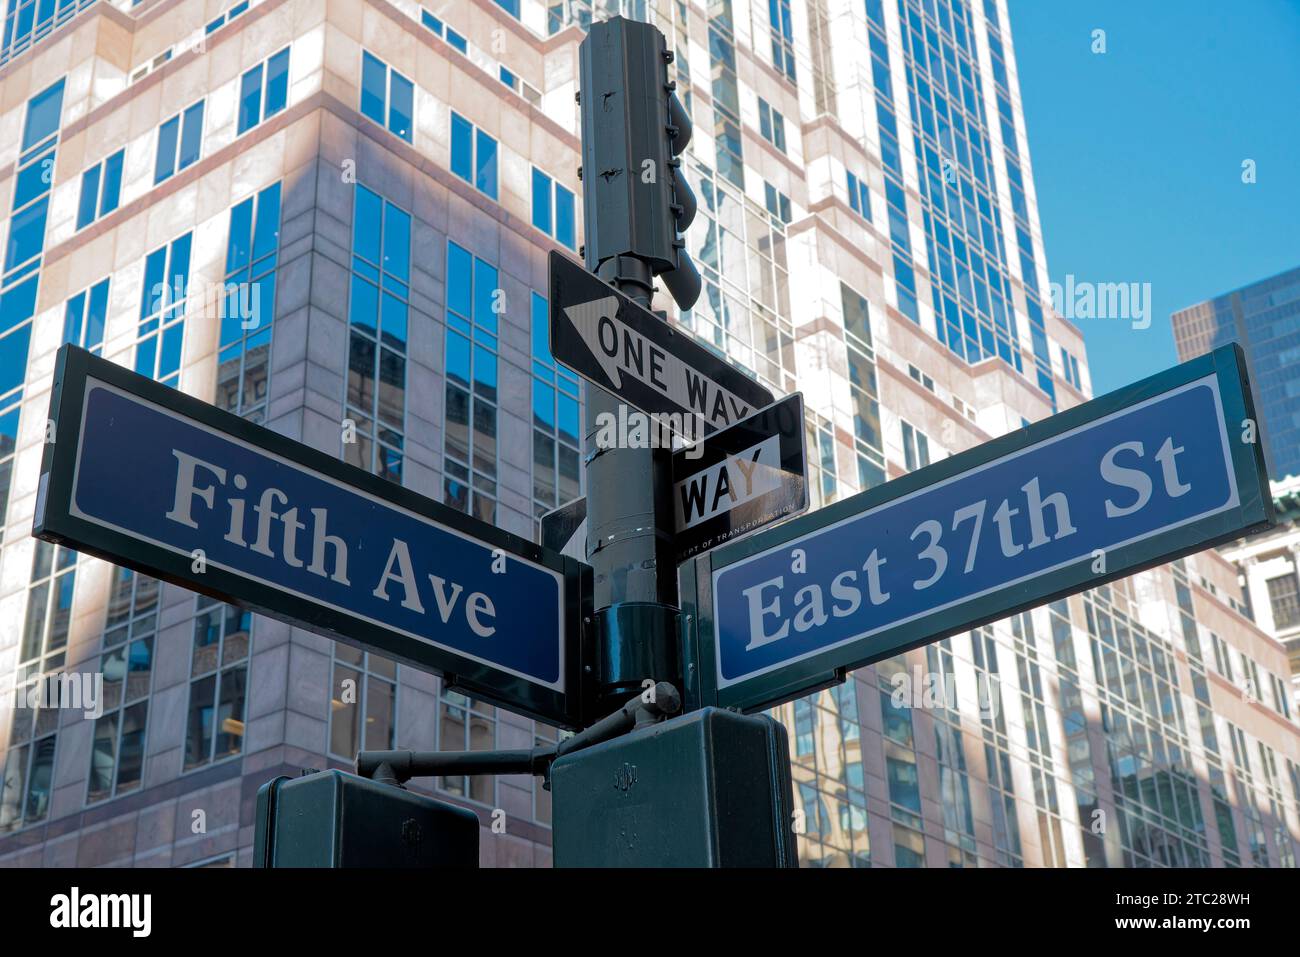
x=1270 y=570
x=1264 y=318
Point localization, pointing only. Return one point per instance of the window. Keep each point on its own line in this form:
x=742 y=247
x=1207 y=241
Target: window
x=101 y=186
x=909 y=847
x=470 y=430
x=22 y=260
x=263 y=91
x=1254 y=687
x=16 y=306
x=28 y=21
x=214 y=727
x=466 y=724
x=377 y=317
x=473 y=155
x=162 y=311
x=26 y=787
x=1070 y=369
x=32 y=186
x=117 y=747
x=805 y=727
x=43 y=112
x=859 y=195
x=509 y=6
x=453 y=38
x=857 y=317
x=726 y=100
x=151 y=65
x=84 y=317
x=248 y=305
x=35 y=176
x=916 y=447
x=900 y=761
x=823 y=478
x=782 y=37
x=26 y=234
x=387 y=97
x=1222 y=657
x=180 y=141
x=920 y=377
x=508 y=78
x=553 y=211
x=1284 y=597
x=1281 y=702
x=556 y=421
x=778 y=204
x=771 y=124
x=215 y=25
x=864 y=390
x=954 y=792
x=363 y=706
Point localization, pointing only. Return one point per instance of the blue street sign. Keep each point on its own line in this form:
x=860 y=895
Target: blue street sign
x=1165 y=467
x=145 y=476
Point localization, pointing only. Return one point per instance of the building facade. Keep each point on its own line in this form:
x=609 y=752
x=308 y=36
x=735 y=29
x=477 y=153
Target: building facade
x=1264 y=318
x=333 y=217
x=1269 y=567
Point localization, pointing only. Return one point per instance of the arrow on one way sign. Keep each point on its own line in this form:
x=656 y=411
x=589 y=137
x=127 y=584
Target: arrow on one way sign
x=618 y=345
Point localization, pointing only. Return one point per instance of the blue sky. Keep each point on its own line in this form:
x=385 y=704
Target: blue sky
x=1137 y=153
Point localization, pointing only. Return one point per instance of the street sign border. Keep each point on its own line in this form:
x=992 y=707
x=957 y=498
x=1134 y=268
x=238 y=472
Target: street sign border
x=54 y=522
x=1253 y=511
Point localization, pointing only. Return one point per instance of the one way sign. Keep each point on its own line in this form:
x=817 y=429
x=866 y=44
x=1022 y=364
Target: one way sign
x=629 y=351
x=740 y=479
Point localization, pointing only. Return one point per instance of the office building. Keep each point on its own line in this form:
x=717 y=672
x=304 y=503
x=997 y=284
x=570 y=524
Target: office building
x=1264 y=318
x=1269 y=567
x=380 y=184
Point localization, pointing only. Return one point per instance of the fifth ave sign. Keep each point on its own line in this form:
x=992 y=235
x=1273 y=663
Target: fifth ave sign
x=145 y=476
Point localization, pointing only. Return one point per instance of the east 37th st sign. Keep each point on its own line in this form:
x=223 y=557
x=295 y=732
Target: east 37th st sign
x=1162 y=468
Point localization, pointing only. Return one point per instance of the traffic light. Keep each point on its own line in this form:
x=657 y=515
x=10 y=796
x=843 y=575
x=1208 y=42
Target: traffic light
x=636 y=200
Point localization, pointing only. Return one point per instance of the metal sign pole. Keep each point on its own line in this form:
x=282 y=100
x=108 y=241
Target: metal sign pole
x=635 y=204
x=629 y=537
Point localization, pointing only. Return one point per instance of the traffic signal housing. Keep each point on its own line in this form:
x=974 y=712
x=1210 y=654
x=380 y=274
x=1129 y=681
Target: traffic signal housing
x=636 y=200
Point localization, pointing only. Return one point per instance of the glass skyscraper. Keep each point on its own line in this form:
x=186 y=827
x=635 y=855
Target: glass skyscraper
x=334 y=220
x=1264 y=318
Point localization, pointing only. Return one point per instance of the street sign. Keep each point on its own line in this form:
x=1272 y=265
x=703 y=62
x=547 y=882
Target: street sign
x=1165 y=467
x=734 y=482
x=740 y=479
x=145 y=476
x=564 y=529
x=629 y=351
